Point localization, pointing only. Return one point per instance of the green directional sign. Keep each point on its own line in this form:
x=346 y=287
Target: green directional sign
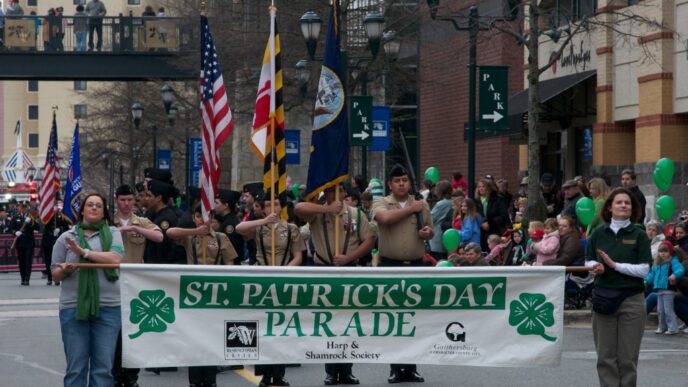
x=494 y=97
x=361 y=120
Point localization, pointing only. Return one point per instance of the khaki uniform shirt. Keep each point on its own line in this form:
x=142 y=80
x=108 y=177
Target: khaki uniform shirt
x=357 y=232
x=400 y=240
x=135 y=243
x=282 y=257
x=226 y=250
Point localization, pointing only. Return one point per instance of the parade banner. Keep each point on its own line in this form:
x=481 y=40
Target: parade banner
x=214 y=315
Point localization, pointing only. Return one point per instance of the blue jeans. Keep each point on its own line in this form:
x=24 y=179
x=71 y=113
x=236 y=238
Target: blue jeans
x=665 y=310
x=680 y=305
x=81 y=40
x=90 y=344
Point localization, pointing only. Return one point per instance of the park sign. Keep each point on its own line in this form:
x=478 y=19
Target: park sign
x=494 y=96
x=361 y=120
x=179 y=315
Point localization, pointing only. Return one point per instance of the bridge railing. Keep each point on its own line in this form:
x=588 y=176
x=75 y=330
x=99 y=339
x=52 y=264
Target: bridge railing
x=120 y=34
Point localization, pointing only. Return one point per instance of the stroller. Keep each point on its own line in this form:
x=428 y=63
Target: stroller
x=578 y=290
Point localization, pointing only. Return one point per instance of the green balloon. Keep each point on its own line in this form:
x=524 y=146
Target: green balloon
x=661 y=182
x=585 y=210
x=665 y=207
x=432 y=174
x=444 y=264
x=295 y=190
x=451 y=239
x=666 y=167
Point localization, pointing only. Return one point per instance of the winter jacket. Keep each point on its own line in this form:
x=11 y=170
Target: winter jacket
x=547 y=248
x=659 y=275
x=470 y=230
x=570 y=251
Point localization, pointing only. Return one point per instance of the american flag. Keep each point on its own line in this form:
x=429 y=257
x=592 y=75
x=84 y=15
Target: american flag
x=217 y=120
x=51 y=178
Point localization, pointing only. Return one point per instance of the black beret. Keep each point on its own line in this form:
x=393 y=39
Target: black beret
x=398 y=170
x=255 y=189
x=230 y=197
x=160 y=188
x=124 y=189
x=158 y=174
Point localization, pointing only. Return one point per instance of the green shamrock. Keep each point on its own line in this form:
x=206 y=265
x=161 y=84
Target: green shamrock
x=151 y=310
x=532 y=314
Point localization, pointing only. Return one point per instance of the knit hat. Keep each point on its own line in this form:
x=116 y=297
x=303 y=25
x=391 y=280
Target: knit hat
x=537 y=234
x=669 y=246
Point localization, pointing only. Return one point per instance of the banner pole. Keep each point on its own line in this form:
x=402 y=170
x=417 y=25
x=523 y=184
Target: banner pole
x=273 y=158
x=336 y=222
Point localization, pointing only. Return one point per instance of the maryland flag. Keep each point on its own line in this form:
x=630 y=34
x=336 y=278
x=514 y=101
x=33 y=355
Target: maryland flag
x=267 y=137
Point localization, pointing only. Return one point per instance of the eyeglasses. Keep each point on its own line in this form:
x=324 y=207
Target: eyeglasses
x=94 y=205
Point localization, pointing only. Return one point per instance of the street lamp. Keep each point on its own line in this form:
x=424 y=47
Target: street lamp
x=172 y=114
x=136 y=114
x=303 y=74
x=310 y=29
x=167 y=96
x=374 y=23
x=391 y=44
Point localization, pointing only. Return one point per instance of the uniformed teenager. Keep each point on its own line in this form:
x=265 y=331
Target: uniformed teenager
x=163 y=216
x=288 y=246
x=403 y=225
x=135 y=231
x=203 y=246
x=355 y=241
x=51 y=231
x=225 y=213
x=24 y=225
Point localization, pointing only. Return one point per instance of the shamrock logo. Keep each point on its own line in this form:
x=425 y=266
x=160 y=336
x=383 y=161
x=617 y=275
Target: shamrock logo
x=532 y=314
x=151 y=311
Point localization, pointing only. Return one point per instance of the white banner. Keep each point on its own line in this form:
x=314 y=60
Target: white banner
x=214 y=315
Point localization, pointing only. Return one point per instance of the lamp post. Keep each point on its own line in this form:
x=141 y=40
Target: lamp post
x=310 y=29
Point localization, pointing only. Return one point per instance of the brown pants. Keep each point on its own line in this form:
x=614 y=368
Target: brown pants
x=617 y=341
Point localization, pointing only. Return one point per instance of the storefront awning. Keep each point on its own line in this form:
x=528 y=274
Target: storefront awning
x=518 y=104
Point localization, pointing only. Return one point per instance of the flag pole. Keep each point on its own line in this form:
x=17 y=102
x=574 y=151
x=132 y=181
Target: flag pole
x=336 y=222
x=204 y=240
x=271 y=123
x=272 y=184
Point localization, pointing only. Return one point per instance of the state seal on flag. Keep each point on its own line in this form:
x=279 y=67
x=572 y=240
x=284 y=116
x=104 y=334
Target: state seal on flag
x=329 y=101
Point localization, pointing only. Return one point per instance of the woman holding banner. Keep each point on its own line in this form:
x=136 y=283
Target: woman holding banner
x=619 y=254
x=288 y=247
x=90 y=315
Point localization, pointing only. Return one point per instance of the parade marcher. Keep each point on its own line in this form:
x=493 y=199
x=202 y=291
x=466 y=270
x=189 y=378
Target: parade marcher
x=288 y=247
x=90 y=313
x=24 y=225
x=619 y=254
x=164 y=217
x=355 y=241
x=5 y=222
x=51 y=231
x=135 y=232
x=203 y=246
x=404 y=224
x=225 y=212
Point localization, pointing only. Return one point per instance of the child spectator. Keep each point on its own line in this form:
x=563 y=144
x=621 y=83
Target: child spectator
x=666 y=270
x=471 y=220
x=494 y=243
x=549 y=246
x=515 y=252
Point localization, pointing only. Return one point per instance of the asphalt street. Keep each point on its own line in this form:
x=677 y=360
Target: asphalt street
x=31 y=354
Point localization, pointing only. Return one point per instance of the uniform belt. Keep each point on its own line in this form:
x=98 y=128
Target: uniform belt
x=317 y=263
x=409 y=262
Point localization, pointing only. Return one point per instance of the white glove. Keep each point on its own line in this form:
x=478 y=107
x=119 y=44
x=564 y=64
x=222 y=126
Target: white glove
x=27 y=219
x=18 y=233
x=56 y=232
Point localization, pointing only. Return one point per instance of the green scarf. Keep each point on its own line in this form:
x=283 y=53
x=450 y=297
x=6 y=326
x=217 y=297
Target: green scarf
x=88 y=299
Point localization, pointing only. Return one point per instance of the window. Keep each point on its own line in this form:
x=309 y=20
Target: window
x=80 y=111
x=33 y=140
x=33 y=85
x=77 y=2
x=32 y=3
x=134 y=2
x=33 y=112
x=80 y=85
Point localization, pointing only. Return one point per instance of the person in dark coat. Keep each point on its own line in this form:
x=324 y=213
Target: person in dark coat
x=24 y=225
x=494 y=209
x=570 y=246
x=628 y=182
x=225 y=212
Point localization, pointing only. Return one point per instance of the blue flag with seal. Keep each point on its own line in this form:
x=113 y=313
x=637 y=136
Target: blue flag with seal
x=329 y=161
x=72 y=198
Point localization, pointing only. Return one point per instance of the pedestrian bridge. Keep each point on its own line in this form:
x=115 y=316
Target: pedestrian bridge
x=132 y=48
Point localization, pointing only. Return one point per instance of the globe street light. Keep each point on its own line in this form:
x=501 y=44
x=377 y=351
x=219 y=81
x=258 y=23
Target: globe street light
x=303 y=74
x=310 y=29
x=136 y=114
x=374 y=23
x=167 y=95
x=391 y=44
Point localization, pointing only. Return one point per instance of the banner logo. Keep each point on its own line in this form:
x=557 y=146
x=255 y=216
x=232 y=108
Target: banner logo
x=532 y=314
x=455 y=332
x=152 y=311
x=241 y=341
